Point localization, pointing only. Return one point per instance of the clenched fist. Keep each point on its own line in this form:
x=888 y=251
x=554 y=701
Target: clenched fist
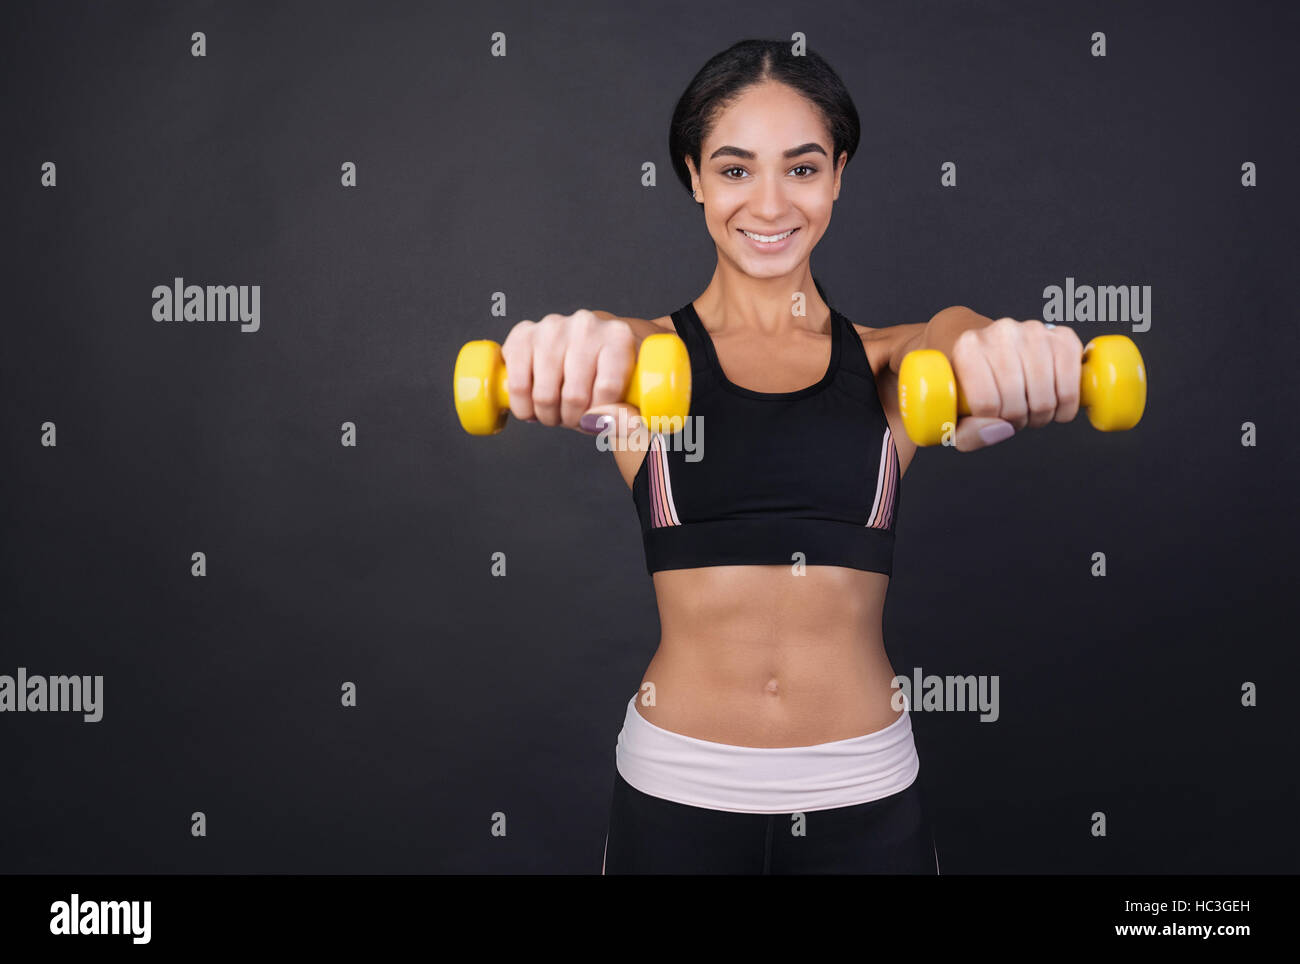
x=1015 y=374
x=563 y=366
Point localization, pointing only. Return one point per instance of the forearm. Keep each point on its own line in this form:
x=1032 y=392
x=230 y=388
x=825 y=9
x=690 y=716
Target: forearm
x=940 y=333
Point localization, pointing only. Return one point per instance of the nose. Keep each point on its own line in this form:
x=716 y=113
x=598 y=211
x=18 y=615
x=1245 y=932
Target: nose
x=770 y=204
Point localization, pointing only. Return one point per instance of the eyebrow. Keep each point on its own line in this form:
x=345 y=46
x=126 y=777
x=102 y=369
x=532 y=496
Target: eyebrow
x=809 y=148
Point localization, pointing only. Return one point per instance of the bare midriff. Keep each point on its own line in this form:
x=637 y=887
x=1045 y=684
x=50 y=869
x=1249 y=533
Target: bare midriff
x=763 y=656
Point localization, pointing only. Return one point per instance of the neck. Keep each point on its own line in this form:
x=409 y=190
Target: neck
x=734 y=299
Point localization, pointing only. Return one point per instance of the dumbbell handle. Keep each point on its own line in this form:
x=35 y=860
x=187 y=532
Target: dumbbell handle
x=660 y=386
x=1112 y=388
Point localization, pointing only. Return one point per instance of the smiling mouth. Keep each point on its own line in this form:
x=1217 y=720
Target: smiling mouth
x=768 y=238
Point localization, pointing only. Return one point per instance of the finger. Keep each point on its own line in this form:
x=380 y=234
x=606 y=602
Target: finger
x=614 y=366
x=518 y=354
x=987 y=367
x=974 y=375
x=579 y=373
x=1039 y=367
x=1067 y=354
x=976 y=432
x=620 y=424
x=548 y=370
x=583 y=343
x=1003 y=351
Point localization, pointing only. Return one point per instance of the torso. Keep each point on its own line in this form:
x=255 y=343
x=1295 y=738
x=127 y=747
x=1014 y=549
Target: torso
x=748 y=655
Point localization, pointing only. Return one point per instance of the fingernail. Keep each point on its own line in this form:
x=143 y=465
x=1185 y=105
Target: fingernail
x=999 y=431
x=594 y=424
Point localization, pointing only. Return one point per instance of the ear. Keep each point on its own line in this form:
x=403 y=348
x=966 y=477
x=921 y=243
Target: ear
x=839 y=169
x=695 y=175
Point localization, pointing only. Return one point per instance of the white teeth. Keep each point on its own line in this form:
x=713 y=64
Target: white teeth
x=768 y=238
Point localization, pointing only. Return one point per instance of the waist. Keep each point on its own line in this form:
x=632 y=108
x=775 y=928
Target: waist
x=748 y=779
x=775 y=601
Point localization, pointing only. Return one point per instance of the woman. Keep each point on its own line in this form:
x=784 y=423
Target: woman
x=765 y=737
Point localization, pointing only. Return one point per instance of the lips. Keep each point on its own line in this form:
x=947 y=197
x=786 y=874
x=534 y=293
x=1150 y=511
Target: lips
x=769 y=247
x=767 y=237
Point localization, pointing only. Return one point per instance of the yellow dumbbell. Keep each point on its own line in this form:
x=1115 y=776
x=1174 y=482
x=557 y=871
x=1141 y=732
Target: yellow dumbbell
x=660 y=386
x=1113 y=388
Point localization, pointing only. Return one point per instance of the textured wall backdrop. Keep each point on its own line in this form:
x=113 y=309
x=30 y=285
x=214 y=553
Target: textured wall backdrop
x=1169 y=162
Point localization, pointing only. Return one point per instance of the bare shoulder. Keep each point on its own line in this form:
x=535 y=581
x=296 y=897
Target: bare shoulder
x=641 y=327
x=881 y=343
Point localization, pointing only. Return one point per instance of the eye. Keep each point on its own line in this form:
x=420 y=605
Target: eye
x=726 y=172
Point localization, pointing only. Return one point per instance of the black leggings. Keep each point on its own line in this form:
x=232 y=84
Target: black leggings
x=650 y=835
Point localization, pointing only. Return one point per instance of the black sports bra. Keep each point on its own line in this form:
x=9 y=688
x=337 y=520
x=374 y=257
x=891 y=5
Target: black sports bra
x=772 y=478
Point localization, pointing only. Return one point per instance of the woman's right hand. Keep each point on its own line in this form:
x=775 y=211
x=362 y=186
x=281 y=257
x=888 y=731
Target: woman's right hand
x=563 y=367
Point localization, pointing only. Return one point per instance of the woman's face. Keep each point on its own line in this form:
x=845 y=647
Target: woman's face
x=748 y=183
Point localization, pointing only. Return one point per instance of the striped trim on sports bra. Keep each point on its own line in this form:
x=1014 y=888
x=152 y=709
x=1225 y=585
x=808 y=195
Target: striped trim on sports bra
x=662 y=510
x=882 y=509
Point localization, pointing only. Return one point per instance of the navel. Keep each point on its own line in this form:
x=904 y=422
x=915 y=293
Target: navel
x=771 y=686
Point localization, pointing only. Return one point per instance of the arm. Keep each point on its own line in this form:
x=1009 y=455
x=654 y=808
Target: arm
x=886 y=348
x=641 y=328
x=1014 y=374
x=940 y=332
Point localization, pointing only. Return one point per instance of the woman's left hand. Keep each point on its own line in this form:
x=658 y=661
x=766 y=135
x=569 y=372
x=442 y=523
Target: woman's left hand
x=1015 y=374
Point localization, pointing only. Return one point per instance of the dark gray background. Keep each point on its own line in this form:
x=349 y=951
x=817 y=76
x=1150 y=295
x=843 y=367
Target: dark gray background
x=522 y=175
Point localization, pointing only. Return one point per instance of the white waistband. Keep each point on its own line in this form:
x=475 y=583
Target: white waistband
x=762 y=779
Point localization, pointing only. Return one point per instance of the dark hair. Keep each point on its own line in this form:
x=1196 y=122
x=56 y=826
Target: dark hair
x=742 y=65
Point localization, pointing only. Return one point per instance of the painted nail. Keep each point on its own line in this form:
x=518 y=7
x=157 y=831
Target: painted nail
x=997 y=432
x=594 y=424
